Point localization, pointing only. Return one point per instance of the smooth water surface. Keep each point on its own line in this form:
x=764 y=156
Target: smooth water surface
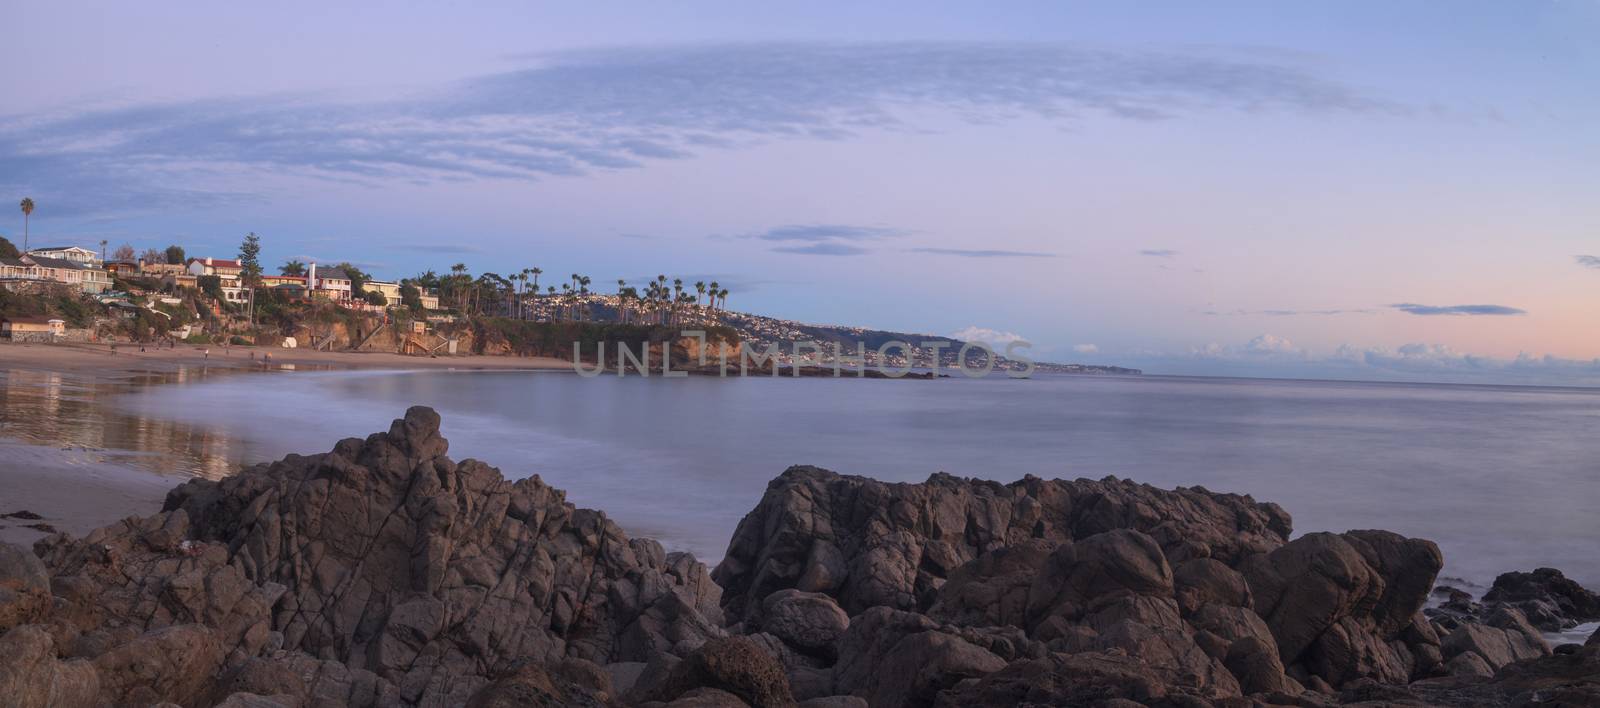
x=1502 y=478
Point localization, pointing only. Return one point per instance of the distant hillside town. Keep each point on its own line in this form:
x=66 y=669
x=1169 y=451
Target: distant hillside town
x=80 y=293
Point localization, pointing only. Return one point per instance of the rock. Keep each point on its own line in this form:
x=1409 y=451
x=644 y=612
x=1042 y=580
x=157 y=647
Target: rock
x=808 y=621
x=732 y=664
x=834 y=702
x=1344 y=605
x=921 y=665
x=386 y=556
x=1496 y=646
x=624 y=674
x=1550 y=600
x=1206 y=581
x=32 y=677
x=1469 y=663
x=870 y=543
x=534 y=685
x=1080 y=679
x=1255 y=664
x=707 y=698
x=1078 y=575
x=24 y=587
x=992 y=589
x=177 y=664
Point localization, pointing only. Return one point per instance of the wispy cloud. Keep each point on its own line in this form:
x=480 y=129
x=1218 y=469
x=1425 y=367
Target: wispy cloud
x=576 y=112
x=1588 y=261
x=826 y=248
x=1471 y=310
x=981 y=253
x=816 y=233
x=1158 y=252
x=1286 y=313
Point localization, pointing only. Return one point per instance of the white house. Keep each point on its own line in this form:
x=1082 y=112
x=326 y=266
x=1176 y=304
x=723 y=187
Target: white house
x=76 y=254
x=389 y=291
x=331 y=283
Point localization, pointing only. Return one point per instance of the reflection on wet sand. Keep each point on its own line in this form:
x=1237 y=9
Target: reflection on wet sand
x=77 y=412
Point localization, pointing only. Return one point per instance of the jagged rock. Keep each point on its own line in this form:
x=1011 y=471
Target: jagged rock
x=385 y=557
x=736 y=665
x=32 y=677
x=805 y=620
x=992 y=590
x=870 y=543
x=177 y=664
x=1338 y=603
x=1495 y=645
x=24 y=587
x=1550 y=600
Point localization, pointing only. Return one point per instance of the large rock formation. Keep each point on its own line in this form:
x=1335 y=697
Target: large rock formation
x=388 y=572
x=385 y=574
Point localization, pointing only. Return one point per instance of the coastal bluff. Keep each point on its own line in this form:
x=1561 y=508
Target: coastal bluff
x=384 y=573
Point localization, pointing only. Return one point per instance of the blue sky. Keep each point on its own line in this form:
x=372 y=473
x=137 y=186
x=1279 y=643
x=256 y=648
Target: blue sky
x=1367 y=190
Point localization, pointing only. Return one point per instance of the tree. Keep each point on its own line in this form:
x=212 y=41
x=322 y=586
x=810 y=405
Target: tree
x=124 y=252
x=175 y=255
x=152 y=255
x=250 y=267
x=8 y=249
x=293 y=267
x=410 y=296
x=27 y=211
x=374 y=297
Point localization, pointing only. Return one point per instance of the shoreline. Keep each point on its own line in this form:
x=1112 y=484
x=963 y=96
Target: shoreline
x=91 y=359
x=77 y=489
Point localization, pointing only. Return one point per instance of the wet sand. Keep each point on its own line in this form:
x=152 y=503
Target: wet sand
x=94 y=359
x=64 y=452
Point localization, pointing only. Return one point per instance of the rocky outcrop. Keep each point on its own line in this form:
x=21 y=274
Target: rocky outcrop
x=1551 y=601
x=383 y=573
x=421 y=579
x=869 y=543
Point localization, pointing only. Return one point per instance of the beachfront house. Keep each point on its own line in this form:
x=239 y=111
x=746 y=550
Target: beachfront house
x=33 y=267
x=227 y=272
x=389 y=291
x=330 y=283
x=76 y=254
x=33 y=329
x=430 y=300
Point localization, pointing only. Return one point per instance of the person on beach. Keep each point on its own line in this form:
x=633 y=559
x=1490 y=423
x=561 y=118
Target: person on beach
x=207 y=352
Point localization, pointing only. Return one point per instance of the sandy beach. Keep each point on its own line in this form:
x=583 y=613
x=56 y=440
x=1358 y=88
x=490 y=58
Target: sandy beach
x=76 y=489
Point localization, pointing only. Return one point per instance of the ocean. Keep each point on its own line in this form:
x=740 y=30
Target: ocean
x=1503 y=478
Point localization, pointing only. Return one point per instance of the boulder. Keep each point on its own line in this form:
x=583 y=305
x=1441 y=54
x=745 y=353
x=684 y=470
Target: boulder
x=1550 y=600
x=921 y=665
x=1344 y=606
x=32 y=677
x=807 y=621
x=992 y=589
x=735 y=665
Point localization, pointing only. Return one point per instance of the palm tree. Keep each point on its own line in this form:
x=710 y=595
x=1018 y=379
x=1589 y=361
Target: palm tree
x=699 y=292
x=724 y=295
x=27 y=211
x=712 y=301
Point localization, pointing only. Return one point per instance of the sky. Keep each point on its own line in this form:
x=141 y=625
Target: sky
x=1383 y=190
